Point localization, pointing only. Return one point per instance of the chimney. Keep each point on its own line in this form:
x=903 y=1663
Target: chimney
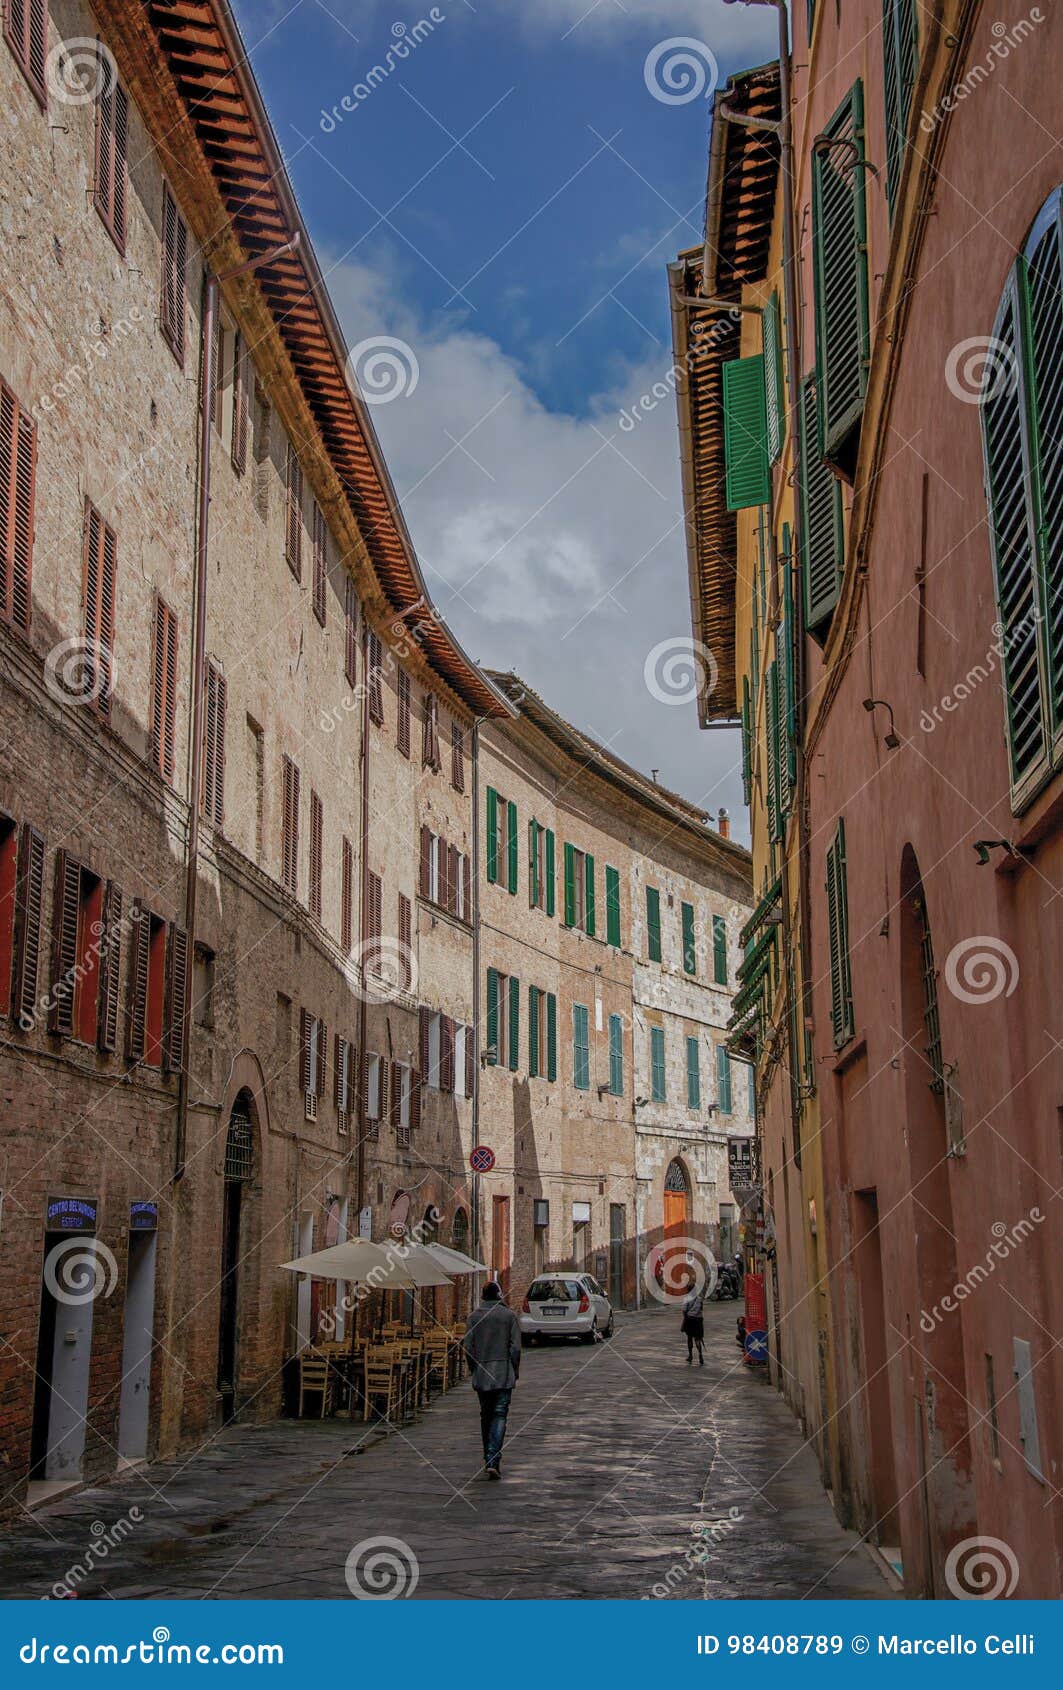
x=724 y=822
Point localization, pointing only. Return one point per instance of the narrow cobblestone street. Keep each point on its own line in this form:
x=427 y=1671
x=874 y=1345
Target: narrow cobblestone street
x=614 y=1456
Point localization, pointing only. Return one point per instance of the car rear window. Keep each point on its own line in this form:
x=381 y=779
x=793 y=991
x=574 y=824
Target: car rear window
x=555 y=1291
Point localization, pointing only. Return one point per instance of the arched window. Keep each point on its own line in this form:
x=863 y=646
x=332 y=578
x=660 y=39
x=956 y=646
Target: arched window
x=239 y=1142
x=1022 y=436
x=675 y=1178
x=459 y=1232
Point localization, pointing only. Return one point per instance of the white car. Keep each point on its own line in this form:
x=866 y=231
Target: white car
x=566 y=1305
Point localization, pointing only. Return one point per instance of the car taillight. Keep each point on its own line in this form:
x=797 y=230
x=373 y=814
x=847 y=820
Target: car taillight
x=584 y=1303
x=525 y=1307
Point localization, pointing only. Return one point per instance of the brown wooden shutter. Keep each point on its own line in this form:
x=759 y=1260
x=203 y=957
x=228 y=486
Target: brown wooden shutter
x=470 y=1062
x=453 y=878
x=316 y=829
x=218 y=334
x=346 y=894
x=406 y=940
x=174 y=265
x=366 y=1061
x=290 y=826
x=426 y=861
x=240 y=403
x=173 y=1039
x=467 y=872
x=395 y=1094
x=26 y=944
x=305 y=1023
x=322 y=1046
x=402 y=713
x=446 y=1053
x=110 y=962
x=293 y=518
x=457 y=756
x=416 y=1082
x=320 y=564
x=164 y=689
x=112 y=134
x=137 y=1011
x=99 y=575
x=64 y=942
x=214 y=746
x=26 y=33
x=350 y=617
x=424 y=1016
x=382 y=1104
x=339 y=1063
x=18 y=469
x=375 y=680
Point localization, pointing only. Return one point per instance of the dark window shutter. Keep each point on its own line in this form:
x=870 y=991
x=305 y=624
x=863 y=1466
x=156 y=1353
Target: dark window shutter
x=339 y=1073
x=551 y=1036
x=305 y=1024
x=100 y=558
x=406 y=940
x=238 y=451
x=112 y=134
x=492 y=1012
x=29 y=894
x=570 y=885
x=426 y=861
x=549 y=871
x=64 y=943
x=512 y=846
x=1044 y=368
x=424 y=1017
x=416 y=1083
x=320 y=564
x=588 y=900
x=137 y=1011
x=533 y=863
x=821 y=504
x=454 y=861
x=290 y=826
x=382 y=1102
x=346 y=895
x=322 y=1059
x=395 y=1094
x=176 y=998
x=457 y=756
x=900 y=61
x=174 y=264
x=774 y=389
x=317 y=824
x=110 y=963
x=653 y=923
x=533 y=1031
x=376 y=680
x=514 y=1022
x=745 y=433
x=492 y=835
x=690 y=959
x=839 y=259
x=719 y=950
x=838 y=937
x=214 y=747
x=612 y=906
x=402 y=712
x=293 y=514
x=18 y=470
x=446 y=1053
x=350 y=644
x=470 y=1062
x=163 y=689
x=26 y=33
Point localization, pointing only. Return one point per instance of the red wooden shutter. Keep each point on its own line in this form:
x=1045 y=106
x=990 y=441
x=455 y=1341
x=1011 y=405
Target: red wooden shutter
x=424 y=1018
x=395 y=1094
x=453 y=878
x=416 y=1081
x=350 y=617
x=290 y=826
x=446 y=1053
x=342 y=1076
x=137 y=1014
x=99 y=573
x=18 y=468
x=322 y=1046
x=376 y=685
x=64 y=942
x=164 y=689
x=320 y=563
x=240 y=402
x=174 y=264
x=346 y=891
x=376 y=902
x=426 y=861
x=406 y=940
x=26 y=33
x=214 y=746
x=382 y=1101
x=430 y=734
x=457 y=757
x=402 y=714
x=293 y=518
x=29 y=892
x=316 y=828
x=173 y=1042
x=112 y=131
x=470 y=1062
x=110 y=962
x=305 y=1024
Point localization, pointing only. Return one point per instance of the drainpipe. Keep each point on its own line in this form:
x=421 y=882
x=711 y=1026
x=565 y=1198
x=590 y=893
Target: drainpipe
x=475 y=878
x=363 y=921
x=199 y=658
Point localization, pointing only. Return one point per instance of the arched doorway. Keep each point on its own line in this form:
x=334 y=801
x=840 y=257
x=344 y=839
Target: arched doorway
x=239 y=1159
x=677 y=1215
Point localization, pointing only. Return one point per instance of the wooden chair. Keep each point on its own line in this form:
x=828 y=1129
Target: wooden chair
x=315 y=1378
x=379 y=1378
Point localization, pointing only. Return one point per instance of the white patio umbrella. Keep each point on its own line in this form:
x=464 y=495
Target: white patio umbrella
x=384 y=1267
x=455 y=1261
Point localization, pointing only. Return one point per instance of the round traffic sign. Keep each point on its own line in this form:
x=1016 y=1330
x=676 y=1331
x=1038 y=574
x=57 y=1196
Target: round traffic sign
x=482 y=1159
x=756 y=1346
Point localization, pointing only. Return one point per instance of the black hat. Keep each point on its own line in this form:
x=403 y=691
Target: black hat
x=492 y=1291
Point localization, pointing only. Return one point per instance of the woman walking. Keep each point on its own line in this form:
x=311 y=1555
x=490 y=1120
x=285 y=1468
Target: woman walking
x=694 y=1326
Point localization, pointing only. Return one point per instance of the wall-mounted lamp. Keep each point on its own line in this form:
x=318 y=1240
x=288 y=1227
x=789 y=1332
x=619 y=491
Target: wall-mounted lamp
x=983 y=847
x=892 y=738
x=829 y=143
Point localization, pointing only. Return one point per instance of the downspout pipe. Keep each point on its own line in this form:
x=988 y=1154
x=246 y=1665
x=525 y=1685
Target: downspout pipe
x=363 y=919
x=476 y=985
x=211 y=285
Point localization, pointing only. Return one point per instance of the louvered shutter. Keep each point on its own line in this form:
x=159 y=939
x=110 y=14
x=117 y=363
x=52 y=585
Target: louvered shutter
x=395 y=1095
x=616 y=1056
x=550 y=871
x=240 y=404
x=139 y=954
x=466 y=872
x=26 y=33
x=29 y=894
x=426 y=861
x=551 y=1036
x=99 y=578
x=112 y=126
x=747 y=747
x=64 y=943
x=511 y=844
x=533 y=1032
x=447 y=1041
x=346 y=895
x=570 y=885
x=690 y=961
x=176 y=997
x=174 y=262
x=350 y=633
x=416 y=1084
x=317 y=824
x=110 y=964
x=382 y=1101
x=838 y=938
x=821 y=504
x=514 y=1022
x=322 y=1059
x=492 y=1013
x=339 y=1076
x=723 y=1079
x=1044 y=369
x=839 y=256
x=424 y=1029
x=719 y=950
x=214 y=747
x=306 y=1025
x=774 y=389
x=492 y=835
x=406 y=940
x=693 y=1074
x=164 y=689
x=454 y=871
x=293 y=514
x=470 y=1062
x=18 y=462
x=376 y=682
x=748 y=474
x=320 y=537
x=612 y=906
x=533 y=863
x=653 y=923
x=588 y=903
x=900 y=59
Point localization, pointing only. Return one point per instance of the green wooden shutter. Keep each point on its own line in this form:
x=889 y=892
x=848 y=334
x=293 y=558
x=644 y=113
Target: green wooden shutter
x=551 y=1036
x=771 y=747
x=612 y=905
x=653 y=923
x=492 y=1012
x=821 y=508
x=841 y=990
x=719 y=949
x=690 y=960
x=616 y=1055
x=747 y=743
x=492 y=835
x=693 y=1074
x=657 y=1075
x=514 y=1021
x=588 y=895
x=581 y=1078
x=511 y=841
x=570 y=885
x=533 y=863
x=723 y=1079
x=788 y=699
x=1008 y=450
x=550 y=871
x=839 y=263
x=1044 y=367
x=771 y=327
x=745 y=433
x=533 y=1031
x=900 y=59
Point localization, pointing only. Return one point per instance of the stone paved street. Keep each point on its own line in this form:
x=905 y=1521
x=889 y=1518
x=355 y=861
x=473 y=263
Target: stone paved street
x=614 y=1455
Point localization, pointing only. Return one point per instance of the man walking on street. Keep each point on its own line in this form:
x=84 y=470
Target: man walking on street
x=492 y=1344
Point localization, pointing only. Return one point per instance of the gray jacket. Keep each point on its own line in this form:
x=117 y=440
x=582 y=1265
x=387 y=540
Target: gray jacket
x=492 y=1344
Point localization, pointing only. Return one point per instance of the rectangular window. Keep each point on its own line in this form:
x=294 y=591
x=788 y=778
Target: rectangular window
x=581 y=1047
x=312 y=1043
x=457 y=756
x=18 y=474
x=430 y=758
x=26 y=33
x=147 y=985
x=693 y=1072
x=100 y=560
x=775 y=392
x=690 y=956
x=317 y=823
x=320 y=563
x=293 y=513
x=350 y=632
x=719 y=950
x=26 y=938
x=214 y=747
x=745 y=423
x=653 y=923
x=290 y=826
x=821 y=506
x=657 y=1075
x=579 y=890
x=841 y=988
x=257 y=748
x=372 y=1087
x=405 y=941
x=163 y=689
x=375 y=660
x=238 y=448
x=503 y=1018
x=346 y=896
x=174 y=267
x=374 y=917
x=616 y=1055
x=723 y=1079
x=402 y=712
x=344 y=1080
x=536 y=1032
x=112 y=138
x=612 y=906
x=502 y=844
x=839 y=264
x=76 y=926
x=900 y=63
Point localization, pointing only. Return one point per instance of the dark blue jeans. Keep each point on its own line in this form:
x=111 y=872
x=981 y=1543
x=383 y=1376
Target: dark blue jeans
x=494 y=1407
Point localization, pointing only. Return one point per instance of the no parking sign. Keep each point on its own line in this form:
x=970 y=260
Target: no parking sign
x=482 y=1159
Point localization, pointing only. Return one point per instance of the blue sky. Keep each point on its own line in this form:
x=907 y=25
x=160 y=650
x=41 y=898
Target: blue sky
x=503 y=202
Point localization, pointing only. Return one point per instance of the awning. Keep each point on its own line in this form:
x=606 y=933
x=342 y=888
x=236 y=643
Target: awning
x=383 y=1267
x=455 y=1261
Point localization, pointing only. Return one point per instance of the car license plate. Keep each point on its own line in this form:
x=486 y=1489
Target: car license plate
x=553 y=1311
